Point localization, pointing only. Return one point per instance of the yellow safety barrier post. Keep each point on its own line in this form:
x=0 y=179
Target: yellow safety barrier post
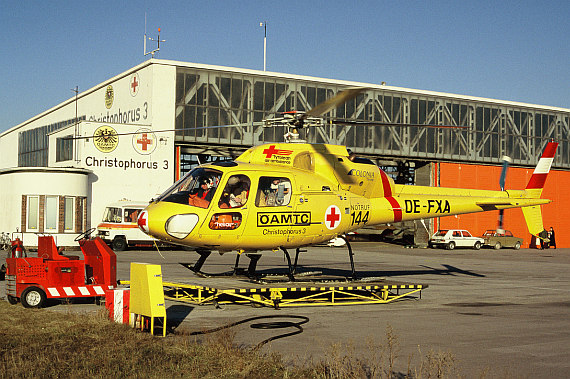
x=147 y=296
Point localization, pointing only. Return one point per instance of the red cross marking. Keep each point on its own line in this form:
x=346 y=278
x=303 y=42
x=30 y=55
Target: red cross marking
x=272 y=150
x=142 y=222
x=269 y=152
x=134 y=84
x=332 y=217
x=144 y=141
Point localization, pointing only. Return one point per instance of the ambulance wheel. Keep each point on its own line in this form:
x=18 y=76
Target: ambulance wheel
x=33 y=297
x=12 y=299
x=119 y=244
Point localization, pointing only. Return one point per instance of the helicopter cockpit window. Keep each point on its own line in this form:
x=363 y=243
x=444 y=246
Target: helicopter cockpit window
x=236 y=192
x=197 y=188
x=273 y=191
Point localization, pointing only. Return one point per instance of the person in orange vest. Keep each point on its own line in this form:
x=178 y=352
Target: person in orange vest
x=204 y=194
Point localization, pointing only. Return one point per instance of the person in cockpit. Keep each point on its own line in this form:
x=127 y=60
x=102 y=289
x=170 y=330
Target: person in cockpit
x=236 y=193
x=203 y=195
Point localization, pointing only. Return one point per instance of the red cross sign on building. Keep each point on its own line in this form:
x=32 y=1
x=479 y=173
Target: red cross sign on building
x=332 y=217
x=134 y=84
x=144 y=141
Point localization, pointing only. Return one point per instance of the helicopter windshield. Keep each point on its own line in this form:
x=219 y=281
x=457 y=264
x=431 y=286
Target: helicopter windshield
x=197 y=188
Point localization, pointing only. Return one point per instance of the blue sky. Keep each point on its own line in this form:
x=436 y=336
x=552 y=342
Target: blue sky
x=505 y=50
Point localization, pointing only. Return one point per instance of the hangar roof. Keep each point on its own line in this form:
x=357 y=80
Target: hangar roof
x=285 y=76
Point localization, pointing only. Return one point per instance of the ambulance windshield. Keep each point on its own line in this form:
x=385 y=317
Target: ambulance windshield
x=112 y=214
x=197 y=188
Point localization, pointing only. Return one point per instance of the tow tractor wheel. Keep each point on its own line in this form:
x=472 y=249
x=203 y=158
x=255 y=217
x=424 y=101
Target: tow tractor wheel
x=33 y=297
x=12 y=299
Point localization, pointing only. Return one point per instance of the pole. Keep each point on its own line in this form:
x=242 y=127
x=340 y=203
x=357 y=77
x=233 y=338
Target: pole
x=75 y=130
x=264 y=24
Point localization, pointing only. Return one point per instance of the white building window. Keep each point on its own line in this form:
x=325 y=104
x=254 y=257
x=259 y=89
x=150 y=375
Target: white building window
x=33 y=213
x=51 y=213
x=69 y=212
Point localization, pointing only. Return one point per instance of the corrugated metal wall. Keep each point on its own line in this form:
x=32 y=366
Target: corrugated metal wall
x=555 y=214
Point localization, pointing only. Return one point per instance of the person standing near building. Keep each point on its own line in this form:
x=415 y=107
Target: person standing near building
x=551 y=237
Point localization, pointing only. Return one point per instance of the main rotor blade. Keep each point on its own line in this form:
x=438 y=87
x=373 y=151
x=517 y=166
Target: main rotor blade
x=333 y=102
x=381 y=123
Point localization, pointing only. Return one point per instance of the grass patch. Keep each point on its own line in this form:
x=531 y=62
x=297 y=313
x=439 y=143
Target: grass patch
x=46 y=344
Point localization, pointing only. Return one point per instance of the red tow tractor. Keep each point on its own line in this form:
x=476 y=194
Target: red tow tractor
x=52 y=275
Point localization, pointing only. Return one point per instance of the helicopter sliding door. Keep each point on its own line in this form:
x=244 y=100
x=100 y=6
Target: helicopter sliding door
x=229 y=212
x=276 y=219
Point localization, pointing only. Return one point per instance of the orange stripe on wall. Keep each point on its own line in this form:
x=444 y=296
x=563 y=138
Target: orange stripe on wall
x=487 y=177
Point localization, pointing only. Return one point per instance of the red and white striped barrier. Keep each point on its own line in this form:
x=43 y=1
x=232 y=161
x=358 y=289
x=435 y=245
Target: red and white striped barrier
x=117 y=302
x=77 y=291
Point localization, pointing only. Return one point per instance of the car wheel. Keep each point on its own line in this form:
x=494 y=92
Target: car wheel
x=517 y=245
x=119 y=244
x=33 y=297
x=477 y=245
x=497 y=246
x=451 y=245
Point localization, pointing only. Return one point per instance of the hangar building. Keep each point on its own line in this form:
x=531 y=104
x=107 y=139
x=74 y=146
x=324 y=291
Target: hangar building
x=133 y=135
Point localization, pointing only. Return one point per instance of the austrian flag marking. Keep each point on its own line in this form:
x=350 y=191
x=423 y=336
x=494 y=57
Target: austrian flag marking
x=332 y=217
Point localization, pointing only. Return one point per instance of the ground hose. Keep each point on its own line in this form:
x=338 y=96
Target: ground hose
x=264 y=325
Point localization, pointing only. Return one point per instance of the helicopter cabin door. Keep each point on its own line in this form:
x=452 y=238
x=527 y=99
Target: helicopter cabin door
x=229 y=212
x=277 y=222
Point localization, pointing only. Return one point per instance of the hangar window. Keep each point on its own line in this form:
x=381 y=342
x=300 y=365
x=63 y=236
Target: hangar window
x=64 y=149
x=51 y=213
x=68 y=213
x=33 y=212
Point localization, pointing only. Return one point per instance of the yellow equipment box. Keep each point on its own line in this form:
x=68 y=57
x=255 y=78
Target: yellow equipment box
x=147 y=296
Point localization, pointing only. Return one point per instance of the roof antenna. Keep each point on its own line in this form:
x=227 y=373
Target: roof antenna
x=157 y=40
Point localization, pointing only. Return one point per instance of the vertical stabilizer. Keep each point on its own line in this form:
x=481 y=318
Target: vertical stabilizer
x=533 y=215
x=533 y=218
x=538 y=178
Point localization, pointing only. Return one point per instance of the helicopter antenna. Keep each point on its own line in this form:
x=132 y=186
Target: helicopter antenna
x=157 y=40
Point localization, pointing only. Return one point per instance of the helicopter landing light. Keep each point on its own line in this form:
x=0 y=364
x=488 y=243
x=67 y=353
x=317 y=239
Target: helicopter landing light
x=179 y=226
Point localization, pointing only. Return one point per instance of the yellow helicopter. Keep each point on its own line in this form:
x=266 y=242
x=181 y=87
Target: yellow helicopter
x=293 y=195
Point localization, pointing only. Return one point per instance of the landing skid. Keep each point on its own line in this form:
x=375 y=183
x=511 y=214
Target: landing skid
x=291 y=274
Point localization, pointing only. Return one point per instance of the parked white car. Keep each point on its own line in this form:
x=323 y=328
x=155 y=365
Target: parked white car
x=452 y=238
